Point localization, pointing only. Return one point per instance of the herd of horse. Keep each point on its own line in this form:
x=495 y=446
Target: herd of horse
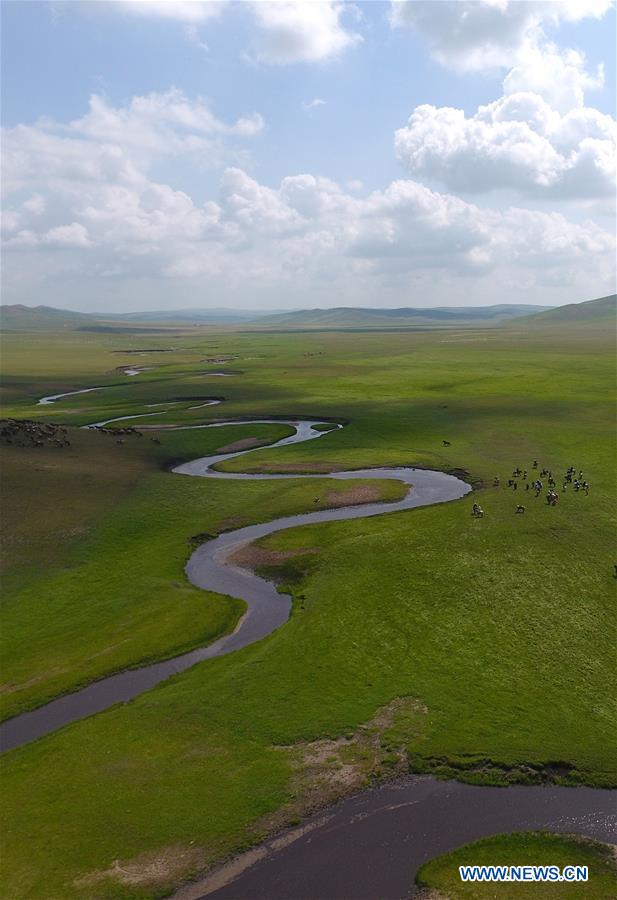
x=521 y=476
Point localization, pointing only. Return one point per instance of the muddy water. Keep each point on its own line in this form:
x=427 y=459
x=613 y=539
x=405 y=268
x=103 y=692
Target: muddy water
x=370 y=846
x=208 y=568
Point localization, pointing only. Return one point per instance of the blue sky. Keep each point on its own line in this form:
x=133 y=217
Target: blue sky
x=194 y=199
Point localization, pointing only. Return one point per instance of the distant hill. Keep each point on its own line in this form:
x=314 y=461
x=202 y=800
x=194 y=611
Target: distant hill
x=357 y=317
x=181 y=315
x=42 y=318
x=604 y=309
x=47 y=318
x=39 y=318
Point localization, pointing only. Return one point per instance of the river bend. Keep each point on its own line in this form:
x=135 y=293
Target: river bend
x=208 y=568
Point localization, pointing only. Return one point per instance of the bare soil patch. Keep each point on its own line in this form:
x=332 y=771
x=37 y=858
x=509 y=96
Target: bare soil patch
x=324 y=772
x=366 y=493
x=329 y=769
x=293 y=468
x=150 y=870
x=243 y=444
x=251 y=556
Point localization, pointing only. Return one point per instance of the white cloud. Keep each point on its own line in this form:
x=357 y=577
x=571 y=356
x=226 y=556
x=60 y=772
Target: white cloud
x=474 y=35
x=194 y=37
x=35 y=205
x=518 y=142
x=305 y=240
x=166 y=122
x=291 y=32
x=539 y=138
x=559 y=77
x=190 y=12
x=313 y=104
x=117 y=144
x=287 y=31
x=73 y=235
x=85 y=204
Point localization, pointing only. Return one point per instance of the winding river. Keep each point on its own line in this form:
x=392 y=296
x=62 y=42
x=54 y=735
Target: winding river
x=367 y=847
x=370 y=846
x=209 y=568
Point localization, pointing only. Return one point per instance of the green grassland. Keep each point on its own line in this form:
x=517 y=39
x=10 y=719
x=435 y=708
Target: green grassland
x=499 y=632
x=98 y=536
x=440 y=877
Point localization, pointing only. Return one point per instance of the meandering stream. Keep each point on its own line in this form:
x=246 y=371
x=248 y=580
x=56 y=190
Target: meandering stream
x=367 y=847
x=370 y=846
x=208 y=568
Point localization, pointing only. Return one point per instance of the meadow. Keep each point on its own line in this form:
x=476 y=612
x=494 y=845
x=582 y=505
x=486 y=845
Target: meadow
x=481 y=648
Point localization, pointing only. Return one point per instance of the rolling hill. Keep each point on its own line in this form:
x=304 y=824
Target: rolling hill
x=46 y=318
x=602 y=310
x=404 y=317
x=39 y=318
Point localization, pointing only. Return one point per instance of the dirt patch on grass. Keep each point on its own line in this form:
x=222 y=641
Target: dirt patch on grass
x=324 y=772
x=243 y=444
x=365 y=493
x=150 y=870
x=329 y=769
x=230 y=523
x=292 y=468
x=251 y=556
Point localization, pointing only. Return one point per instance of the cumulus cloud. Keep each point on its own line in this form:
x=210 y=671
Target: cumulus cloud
x=190 y=12
x=518 y=142
x=307 y=238
x=473 y=35
x=293 y=31
x=560 y=77
x=36 y=204
x=84 y=205
x=166 y=122
x=539 y=138
x=116 y=144
x=73 y=235
x=287 y=31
